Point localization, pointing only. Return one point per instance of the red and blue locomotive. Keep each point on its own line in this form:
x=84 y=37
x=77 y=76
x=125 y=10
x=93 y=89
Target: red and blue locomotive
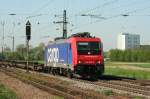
x=79 y=55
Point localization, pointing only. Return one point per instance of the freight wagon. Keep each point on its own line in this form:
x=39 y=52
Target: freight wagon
x=79 y=55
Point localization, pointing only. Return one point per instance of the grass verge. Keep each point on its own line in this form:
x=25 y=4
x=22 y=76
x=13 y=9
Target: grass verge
x=6 y=93
x=137 y=64
x=137 y=74
x=141 y=65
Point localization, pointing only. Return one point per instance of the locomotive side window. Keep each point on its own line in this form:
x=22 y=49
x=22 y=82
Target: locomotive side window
x=88 y=48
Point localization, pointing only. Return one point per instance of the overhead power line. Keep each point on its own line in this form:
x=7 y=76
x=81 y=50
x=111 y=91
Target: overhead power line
x=137 y=10
x=35 y=16
x=44 y=6
x=93 y=16
x=129 y=5
x=111 y=17
x=36 y=13
x=100 y=6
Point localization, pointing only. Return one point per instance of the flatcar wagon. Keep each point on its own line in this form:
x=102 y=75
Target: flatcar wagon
x=79 y=55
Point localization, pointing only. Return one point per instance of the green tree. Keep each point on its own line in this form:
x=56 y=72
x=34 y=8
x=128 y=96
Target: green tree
x=114 y=54
x=127 y=55
x=20 y=52
x=37 y=53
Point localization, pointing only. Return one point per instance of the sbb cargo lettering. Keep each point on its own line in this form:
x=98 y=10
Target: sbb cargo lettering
x=53 y=55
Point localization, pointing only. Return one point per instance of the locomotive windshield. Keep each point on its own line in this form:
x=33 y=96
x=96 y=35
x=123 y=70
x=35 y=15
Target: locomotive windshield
x=88 y=48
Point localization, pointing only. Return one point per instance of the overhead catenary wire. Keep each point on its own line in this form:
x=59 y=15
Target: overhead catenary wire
x=103 y=5
x=44 y=6
x=111 y=17
x=128 y=5
x=98 y=7
x=107 y=3
x=36 y=12
x=137 y=10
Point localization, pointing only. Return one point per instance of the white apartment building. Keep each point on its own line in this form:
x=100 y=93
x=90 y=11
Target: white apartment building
x=128 y=41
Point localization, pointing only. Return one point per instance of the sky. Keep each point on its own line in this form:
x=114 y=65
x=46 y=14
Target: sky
x=104 y=19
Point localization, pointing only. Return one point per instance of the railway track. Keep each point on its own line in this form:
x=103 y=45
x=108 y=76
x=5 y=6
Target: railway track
x=129 y=88
x=53 y=88
x=132 y=87
x=139 y=82
x=119 y=87
x=38 y=84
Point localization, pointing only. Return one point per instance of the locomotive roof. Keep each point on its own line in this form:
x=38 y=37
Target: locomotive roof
x=85 y=36
x=75 y=39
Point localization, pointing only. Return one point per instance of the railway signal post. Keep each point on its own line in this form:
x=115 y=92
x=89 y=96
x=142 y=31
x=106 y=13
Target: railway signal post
x=28 y=37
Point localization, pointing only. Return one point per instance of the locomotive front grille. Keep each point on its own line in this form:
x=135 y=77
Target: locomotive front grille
x=86 y=69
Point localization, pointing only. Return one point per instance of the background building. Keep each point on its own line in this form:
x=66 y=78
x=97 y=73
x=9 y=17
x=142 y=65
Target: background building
x=128 y=41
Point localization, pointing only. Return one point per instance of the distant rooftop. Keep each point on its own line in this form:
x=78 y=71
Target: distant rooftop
x=128 y=34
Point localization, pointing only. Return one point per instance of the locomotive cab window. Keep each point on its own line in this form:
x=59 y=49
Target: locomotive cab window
x=88 y=48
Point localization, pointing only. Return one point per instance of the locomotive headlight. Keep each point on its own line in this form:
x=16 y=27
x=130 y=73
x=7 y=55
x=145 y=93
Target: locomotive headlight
x=98 y=62
x=79 y=62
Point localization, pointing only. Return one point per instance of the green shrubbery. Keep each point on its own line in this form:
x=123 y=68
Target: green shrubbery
x=130 y=55
x=36 y=53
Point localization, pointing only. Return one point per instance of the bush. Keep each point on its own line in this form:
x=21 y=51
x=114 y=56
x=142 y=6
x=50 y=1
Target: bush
x=130 y=55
